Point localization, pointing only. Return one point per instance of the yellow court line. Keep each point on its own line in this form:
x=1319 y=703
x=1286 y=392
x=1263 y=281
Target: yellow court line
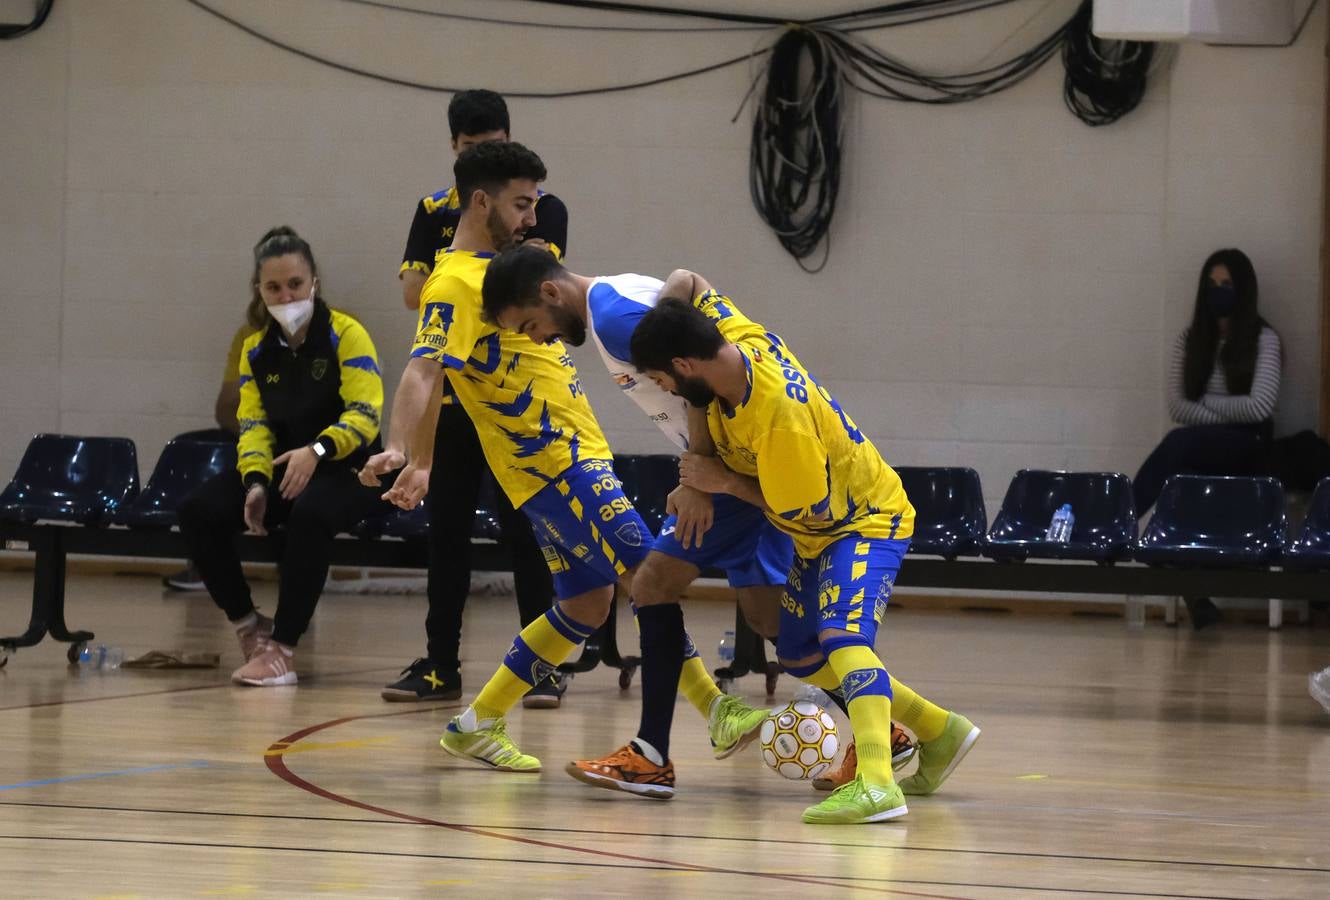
x=281 y=749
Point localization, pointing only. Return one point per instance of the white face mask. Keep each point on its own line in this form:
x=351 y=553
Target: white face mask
x=295 y=315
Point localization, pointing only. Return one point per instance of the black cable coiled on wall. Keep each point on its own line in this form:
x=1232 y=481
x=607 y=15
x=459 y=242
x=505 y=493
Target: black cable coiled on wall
x=1105 y=79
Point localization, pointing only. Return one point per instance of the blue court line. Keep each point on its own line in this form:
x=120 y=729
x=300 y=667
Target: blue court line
x=192 y=764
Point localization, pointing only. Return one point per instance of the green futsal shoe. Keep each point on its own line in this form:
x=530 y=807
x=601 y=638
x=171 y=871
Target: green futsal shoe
x=939 y=757
x=489 y=746
x=858 y=803
x=733 y=724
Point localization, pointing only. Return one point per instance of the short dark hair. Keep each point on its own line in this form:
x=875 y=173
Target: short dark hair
x=491 y=165
x=514 y=278
x=477 y=112
x=673 y=328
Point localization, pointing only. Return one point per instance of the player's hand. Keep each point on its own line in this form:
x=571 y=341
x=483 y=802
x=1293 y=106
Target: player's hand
x=300 y=466
x=380 y=463
x=695 y=513
x=256 y=505
x=704 y=473
x=410 y=488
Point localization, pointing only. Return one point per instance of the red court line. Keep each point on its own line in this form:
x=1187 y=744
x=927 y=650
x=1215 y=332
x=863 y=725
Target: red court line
x=276 y=762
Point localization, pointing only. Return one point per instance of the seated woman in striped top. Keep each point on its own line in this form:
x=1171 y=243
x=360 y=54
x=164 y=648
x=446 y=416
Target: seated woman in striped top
x=1222 y=388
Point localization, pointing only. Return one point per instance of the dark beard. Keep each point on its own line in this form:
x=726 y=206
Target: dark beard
x=572 y=330
x=500 y=236
x=694 y=390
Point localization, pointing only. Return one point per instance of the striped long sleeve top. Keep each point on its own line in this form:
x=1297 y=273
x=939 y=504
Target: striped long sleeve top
x=1217 y=406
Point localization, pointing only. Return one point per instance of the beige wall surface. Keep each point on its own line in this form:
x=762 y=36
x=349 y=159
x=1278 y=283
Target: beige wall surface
x=1004 y=283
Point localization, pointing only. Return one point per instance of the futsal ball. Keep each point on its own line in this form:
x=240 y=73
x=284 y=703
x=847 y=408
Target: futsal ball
x=799 y=740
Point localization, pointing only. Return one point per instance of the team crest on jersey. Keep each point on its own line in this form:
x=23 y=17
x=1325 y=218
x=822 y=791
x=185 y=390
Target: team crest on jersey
x=318 y=369
x=625 y=381
x=630 y=534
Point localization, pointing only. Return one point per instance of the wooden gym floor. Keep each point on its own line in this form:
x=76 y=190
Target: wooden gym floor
x=1155 y=762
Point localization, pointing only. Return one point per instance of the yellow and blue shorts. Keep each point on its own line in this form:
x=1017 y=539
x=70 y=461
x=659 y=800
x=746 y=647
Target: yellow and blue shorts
x=741 y=540
x=587 y=529
x=846 y=587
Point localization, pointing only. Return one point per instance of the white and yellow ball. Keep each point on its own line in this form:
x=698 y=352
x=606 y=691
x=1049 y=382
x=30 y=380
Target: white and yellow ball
x=799 y=740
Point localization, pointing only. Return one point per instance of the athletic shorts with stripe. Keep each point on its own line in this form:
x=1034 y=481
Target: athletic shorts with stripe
x=846 y=587
x=588 y=530
x=741 y=540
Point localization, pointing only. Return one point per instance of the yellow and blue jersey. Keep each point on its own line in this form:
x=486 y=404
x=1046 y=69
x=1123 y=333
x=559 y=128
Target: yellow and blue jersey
x=821 y=477
x=328 y=389
x=526 y=399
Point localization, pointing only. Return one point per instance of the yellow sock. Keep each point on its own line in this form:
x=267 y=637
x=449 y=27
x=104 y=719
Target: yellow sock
x=543 y=644
x=925 y=719
x=824 y=678
x=697 y=686
x=868 y=694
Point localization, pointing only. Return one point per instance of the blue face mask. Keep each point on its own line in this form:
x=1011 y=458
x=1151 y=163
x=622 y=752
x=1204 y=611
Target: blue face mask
x=1221 y=300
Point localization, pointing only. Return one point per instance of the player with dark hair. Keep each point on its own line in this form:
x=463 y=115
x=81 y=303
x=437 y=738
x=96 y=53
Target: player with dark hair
x=473 y=117
x=543 y=444
x=785 y=445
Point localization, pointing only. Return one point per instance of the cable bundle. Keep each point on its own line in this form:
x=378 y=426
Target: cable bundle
x=9 y=32
x=1105 y=79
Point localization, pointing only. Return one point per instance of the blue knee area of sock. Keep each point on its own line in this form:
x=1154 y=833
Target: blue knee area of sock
x=803 y=671
x=523 y=662
x=831 y=645
x=572 y=630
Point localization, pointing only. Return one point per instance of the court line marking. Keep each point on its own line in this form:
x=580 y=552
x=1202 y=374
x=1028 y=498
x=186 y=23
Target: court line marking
x=840 y=881
x=277 y=765
x=192 y=764
x=1019 y=854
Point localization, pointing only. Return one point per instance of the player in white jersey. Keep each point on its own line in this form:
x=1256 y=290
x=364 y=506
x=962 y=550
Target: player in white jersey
x=529 y=292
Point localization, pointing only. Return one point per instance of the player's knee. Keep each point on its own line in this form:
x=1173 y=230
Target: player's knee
x=660 y=579
x=803 y=666
x=590 y=609
x=761 y=610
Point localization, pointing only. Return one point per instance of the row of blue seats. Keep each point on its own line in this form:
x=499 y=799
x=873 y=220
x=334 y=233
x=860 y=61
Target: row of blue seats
x=1197 y=520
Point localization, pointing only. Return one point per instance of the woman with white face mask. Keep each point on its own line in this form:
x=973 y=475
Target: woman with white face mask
x=311 y=397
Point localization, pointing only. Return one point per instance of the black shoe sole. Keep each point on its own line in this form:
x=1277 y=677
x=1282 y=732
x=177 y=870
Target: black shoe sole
x=393 y=695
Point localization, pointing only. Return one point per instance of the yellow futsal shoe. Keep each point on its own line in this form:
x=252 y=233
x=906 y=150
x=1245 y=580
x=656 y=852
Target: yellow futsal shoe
x=488 y=745
x=939 y=757
x=733 y=724
x=858 y=803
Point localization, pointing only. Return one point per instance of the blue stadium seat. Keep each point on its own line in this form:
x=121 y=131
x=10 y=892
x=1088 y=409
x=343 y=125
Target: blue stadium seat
x=182 y=467
x=72 y=479
x=949 y=519
x=647 y=481
x=1311 y=548
x=1101 y=502
x=1215 y=521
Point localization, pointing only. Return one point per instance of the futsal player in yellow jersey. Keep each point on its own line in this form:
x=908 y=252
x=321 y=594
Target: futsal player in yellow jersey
x=545 y=448
x=784 y=444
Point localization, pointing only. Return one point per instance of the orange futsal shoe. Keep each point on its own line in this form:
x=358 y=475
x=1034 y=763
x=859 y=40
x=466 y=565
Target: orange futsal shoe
x=902 y=751
x=627 y=770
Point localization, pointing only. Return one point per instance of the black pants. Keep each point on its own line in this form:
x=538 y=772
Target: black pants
x=458 y=471
x=212 y=516
x=1202 y=450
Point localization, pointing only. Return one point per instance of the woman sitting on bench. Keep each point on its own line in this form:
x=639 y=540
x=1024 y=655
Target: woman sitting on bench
x=311 y=398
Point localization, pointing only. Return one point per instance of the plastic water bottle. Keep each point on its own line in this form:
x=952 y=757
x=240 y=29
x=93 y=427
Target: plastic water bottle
x=1059 y=529
x=100 y=657
x=726 y=649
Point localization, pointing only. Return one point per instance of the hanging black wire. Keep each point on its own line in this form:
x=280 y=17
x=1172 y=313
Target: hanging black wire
x=795 y=156
x=9 y=32
x=1105 y=79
